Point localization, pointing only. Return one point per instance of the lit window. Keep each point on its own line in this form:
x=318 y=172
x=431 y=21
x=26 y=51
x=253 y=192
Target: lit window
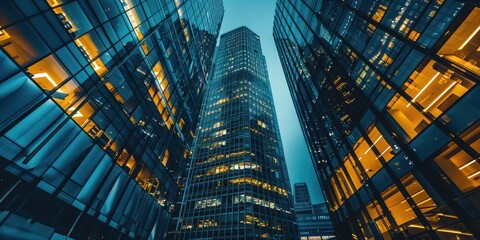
x=218 y=144
x=165 y=158
x=245 y=165
x=462 y=46
x=255 y=182
x=435 y=87
x=209 y=202
x=411 y=120
x=217 y=124
x=377 y=17
x=207 y=223
x=460 y=167
x=217 y=170
x=262 y=124
x=220 y=133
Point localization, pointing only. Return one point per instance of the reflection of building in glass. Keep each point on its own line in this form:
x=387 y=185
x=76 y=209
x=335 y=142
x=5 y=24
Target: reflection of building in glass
x=238 y=186
x=388 y=97
x=313 y=220
x=99 y=101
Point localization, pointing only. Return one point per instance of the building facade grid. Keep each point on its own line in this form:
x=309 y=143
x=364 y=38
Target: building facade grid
x=239 y=185
x=99 y=101
x=386 y=93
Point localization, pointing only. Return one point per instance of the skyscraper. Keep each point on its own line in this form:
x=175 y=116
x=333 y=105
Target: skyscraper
x=387 y=94
x=302 y=196
x=99 y=101
x=238 y=186
x=313 y=219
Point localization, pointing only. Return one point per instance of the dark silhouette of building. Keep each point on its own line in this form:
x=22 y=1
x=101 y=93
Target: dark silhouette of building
x=99 y=101
x=387 y=95
x=313 y=219
x=238 y=185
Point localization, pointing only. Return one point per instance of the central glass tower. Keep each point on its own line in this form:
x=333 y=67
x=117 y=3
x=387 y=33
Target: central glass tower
x=238 y=185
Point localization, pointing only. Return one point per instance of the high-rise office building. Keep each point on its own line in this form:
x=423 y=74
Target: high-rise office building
x=238 y=186
x=302 y=196
x=387 y=94
x=313 y=219
x=99 y=101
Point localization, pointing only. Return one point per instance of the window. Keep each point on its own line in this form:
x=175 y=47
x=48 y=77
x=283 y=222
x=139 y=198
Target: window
x=90 y=47
x=165 y=158
x=262 y=124
x=462 y=46
x=441 y=219
x=342 y=186
x=23 y=43
x=20 y=90
x=435 y=87
x=381 y=222
x=217 y=170
x=209 y=202
x=460 y=167
x=367 y=156
x=73 y=19
x=353 y=172
x=48 y=73
x=408 y=118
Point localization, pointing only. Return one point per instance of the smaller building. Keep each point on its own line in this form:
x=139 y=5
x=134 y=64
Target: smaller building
x=313 y=219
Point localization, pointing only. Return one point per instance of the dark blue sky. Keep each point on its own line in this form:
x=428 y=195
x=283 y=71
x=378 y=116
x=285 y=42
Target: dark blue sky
x=258 y=16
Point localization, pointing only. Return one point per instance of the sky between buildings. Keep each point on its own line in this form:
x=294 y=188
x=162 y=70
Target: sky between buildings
x=258 y=16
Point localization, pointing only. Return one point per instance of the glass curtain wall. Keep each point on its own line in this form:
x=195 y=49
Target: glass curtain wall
x=99 y=101
x=387 y=94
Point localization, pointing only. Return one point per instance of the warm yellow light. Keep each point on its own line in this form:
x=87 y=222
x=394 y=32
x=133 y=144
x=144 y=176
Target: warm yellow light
x=95 y=66
x=45 y=75
x=3 y=34
x=473 y=175
x=50 y=79
x=378 y=139
x=416 y=194
x=77 y=114
x=447 y=215
x=440 y=96
x=467 y=164
x=384 y=151
x=469 y=38
x=423 y=89
x=424 y=201
x=445 y=230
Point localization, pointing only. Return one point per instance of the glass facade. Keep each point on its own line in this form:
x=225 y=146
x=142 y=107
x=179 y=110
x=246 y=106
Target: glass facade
x=386 y=92
x=302 y=196
x=313 y=220
x=238 y=185
x=99 y=101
